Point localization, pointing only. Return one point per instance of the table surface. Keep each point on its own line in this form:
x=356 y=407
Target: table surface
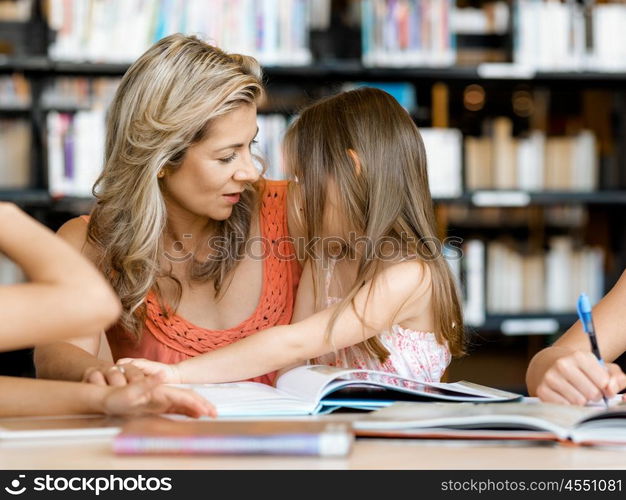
x=96 y=453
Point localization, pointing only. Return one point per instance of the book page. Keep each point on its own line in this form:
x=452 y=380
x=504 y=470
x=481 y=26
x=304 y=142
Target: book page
x=317 y=382
x=308 y=381
x=251 y=399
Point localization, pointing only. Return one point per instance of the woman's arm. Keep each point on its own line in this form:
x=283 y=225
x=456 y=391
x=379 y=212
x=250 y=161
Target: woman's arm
x=567 y=372
x=65 y=294
x=396 y=295
x=28 y=397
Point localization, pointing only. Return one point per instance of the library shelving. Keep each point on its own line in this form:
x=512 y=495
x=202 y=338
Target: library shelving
x=564 y=100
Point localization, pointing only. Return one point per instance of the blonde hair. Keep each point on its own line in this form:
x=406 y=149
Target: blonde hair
x=165 y=102
x=386 y=198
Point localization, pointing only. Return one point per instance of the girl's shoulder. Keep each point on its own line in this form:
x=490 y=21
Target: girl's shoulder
x=407 y=284
x=74 y=232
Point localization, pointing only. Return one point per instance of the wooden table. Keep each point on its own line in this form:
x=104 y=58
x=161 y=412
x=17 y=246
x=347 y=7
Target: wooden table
x=95 y=453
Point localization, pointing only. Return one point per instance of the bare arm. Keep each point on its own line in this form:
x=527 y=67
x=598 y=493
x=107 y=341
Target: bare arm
x=568 y=372
x=64 y=294
x=304 y=306
x=397 y=295
x=69 y=359
x=28 y=397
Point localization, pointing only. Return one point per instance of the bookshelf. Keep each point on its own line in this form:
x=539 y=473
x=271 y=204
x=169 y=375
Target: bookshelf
x=496 y=69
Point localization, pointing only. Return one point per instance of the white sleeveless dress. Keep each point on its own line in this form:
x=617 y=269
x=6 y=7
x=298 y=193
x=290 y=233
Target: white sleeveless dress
x=412 y=354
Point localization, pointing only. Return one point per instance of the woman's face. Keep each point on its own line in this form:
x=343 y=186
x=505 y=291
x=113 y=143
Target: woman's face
x=215 y=170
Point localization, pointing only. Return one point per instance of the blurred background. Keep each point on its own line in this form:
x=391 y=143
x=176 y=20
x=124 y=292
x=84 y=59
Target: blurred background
x=521 y=104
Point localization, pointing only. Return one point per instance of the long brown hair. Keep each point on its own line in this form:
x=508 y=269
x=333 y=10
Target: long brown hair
x=384 y=200
x=166 y=102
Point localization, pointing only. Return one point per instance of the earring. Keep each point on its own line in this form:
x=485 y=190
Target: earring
x=161 y=174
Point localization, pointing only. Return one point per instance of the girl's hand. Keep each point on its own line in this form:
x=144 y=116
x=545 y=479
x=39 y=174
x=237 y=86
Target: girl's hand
x=114 y=375
x=150 y=397
x=578 y=378
x=168 y=374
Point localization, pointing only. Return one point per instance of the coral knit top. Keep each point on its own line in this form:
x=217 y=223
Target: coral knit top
x=173 y=339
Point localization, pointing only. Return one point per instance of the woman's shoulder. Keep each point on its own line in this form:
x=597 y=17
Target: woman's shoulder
x=74 y=231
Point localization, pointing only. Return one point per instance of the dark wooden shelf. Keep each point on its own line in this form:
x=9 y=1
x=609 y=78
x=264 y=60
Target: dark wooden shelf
x=516 y=198
x=521 y=324
x=335 y=70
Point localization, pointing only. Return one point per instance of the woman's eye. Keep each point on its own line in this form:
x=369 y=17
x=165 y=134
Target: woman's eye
x=228 y=159
x=253 y=143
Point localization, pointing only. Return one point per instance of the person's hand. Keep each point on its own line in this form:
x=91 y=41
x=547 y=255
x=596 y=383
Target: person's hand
x=167 y=373
x=579 y=378
x=115 y=375
x=149 y=396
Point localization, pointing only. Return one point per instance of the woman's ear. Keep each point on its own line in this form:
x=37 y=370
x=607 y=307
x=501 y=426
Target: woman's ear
x=356 y=161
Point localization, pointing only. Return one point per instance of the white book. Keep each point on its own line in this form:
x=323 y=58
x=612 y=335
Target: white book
x=516 y=420
x=474 y=263
x=530 y=161
x=315 y=389
x=444 y=160
x=559 y=276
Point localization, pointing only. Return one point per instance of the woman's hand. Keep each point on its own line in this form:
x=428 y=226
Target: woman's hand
x=579 y=378
x=149 y=396
x=115 y=375
x=168 y=374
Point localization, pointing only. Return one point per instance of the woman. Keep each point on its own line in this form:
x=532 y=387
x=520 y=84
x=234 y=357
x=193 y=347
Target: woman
x=568 y=373
x=182 y=216
x=69 y=293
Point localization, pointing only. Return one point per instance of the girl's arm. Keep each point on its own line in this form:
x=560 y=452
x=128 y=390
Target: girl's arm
x=397 y=295
x=65 y=293
x=29 y=397
x=567 y=372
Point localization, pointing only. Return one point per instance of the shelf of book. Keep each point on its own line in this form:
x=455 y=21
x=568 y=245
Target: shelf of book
x=339 y=70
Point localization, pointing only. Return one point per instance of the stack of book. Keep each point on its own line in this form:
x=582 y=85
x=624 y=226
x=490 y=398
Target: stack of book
x=532 y=163
x=497 y=278
x=553 y=36
x=14 y=92
x=408 y=33
x=119 y=31
x=15 y=144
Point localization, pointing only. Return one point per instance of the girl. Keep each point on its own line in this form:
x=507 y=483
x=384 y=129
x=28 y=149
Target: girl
x=376 y=291
x=179 y=199
x=69 y=293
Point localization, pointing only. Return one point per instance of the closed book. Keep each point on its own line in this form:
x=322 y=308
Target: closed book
x=158 y=435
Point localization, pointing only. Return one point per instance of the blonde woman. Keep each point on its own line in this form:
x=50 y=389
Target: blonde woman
x=377 y=293
x=68 y=293
x=190 y=238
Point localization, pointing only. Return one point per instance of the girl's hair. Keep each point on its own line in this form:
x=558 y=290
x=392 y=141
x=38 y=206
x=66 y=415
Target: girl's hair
x=386 y=200
x=166 y=102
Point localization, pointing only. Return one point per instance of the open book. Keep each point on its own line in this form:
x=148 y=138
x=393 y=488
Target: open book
x=533 y=420
x=313 y=389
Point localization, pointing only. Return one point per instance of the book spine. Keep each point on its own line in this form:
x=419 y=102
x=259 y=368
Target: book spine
x=325 y=444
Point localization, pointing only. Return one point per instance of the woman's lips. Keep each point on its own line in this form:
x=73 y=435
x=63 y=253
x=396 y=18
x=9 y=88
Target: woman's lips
x=232 y=197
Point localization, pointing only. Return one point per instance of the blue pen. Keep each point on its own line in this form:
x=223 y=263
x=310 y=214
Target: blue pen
x=583 y=307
